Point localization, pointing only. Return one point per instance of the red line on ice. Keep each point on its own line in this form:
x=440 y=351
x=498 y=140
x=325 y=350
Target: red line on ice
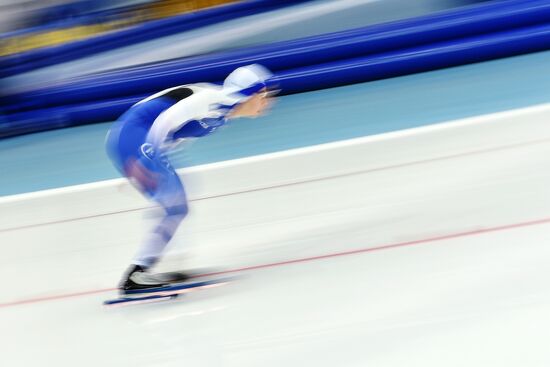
x=307 y=259
x=424 y=161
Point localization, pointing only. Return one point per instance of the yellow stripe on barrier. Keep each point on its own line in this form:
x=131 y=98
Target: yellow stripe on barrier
x=166 y=8
x=158 y=10
x=33 y=41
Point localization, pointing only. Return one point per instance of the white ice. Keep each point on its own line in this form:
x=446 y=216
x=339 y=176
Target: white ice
x=480 y=298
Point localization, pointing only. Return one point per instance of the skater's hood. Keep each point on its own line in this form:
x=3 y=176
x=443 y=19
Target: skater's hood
x=246 y=81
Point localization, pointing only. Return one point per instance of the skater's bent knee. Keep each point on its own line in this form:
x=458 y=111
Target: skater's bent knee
x=179 y=211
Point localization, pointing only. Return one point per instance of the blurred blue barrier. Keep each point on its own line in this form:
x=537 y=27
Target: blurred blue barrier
x=23 y=62
x=281 y=56
x=354 y=70
x=61 y=117
x=417 y=59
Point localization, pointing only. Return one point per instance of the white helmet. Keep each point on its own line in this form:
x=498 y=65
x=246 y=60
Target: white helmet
x=246 y=81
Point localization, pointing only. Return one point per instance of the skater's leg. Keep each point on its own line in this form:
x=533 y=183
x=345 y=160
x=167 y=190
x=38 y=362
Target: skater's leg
x=169 y=193
x=157 y=240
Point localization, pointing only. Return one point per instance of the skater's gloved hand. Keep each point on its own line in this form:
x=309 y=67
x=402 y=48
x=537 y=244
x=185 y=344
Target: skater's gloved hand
x=141 y=176
x=144 y=170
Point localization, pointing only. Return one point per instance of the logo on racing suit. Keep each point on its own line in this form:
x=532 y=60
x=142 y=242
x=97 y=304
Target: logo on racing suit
x=148 y=150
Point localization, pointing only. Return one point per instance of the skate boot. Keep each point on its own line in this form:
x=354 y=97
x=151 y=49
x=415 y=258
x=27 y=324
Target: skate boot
x=137 y=277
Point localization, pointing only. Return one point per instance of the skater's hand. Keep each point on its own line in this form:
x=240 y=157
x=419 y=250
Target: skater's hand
x=138 y=172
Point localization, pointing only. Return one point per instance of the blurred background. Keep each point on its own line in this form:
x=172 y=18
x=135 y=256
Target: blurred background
x=399 y=122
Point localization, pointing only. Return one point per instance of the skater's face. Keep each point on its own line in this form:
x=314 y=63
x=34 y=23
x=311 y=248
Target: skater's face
x=254 y=106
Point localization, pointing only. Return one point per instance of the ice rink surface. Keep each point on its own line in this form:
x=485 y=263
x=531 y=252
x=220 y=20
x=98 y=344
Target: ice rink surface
x=441 y=262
